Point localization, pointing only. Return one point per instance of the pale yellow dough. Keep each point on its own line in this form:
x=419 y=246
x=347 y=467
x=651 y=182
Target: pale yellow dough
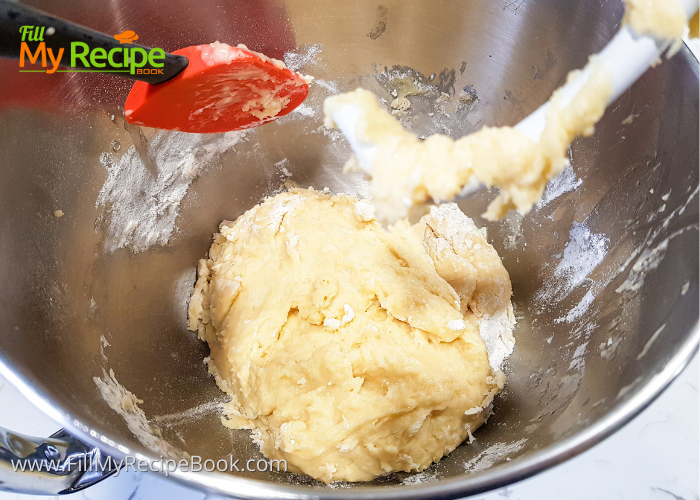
x=406 y=171
x=664 y=19
x=352 y=350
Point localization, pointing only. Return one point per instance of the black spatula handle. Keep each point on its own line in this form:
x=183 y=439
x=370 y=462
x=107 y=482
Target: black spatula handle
x=59 y=33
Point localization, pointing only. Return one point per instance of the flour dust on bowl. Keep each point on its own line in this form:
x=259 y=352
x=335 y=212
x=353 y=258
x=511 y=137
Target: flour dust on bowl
x=93 y=311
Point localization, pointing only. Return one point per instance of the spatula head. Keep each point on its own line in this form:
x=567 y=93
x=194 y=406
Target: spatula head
x=223 y=88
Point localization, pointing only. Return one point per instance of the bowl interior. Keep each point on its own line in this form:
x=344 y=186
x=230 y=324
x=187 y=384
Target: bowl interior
x=604 y=270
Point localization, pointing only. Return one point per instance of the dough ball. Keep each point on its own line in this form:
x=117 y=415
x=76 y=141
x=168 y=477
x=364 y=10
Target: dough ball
x=354 y=351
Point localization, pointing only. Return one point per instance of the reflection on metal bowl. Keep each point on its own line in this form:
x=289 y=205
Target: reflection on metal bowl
x=604 y=269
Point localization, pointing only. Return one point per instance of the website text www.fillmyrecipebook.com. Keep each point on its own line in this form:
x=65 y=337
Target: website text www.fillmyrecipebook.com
x=193 y=463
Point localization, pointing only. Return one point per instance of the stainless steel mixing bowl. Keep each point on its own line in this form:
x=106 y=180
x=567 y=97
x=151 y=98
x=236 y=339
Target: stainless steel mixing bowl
x=605 y=277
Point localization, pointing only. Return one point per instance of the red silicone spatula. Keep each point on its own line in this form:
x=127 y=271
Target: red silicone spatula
x=205 y=88
x=222 y=88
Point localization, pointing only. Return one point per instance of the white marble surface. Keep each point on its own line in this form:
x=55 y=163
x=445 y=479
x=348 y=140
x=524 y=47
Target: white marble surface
x=653 y=457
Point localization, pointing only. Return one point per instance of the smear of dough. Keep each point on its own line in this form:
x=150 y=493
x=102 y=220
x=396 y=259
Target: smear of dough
x=126 y=404
x=407 y=171
x=353 y=351
x=265 y=103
